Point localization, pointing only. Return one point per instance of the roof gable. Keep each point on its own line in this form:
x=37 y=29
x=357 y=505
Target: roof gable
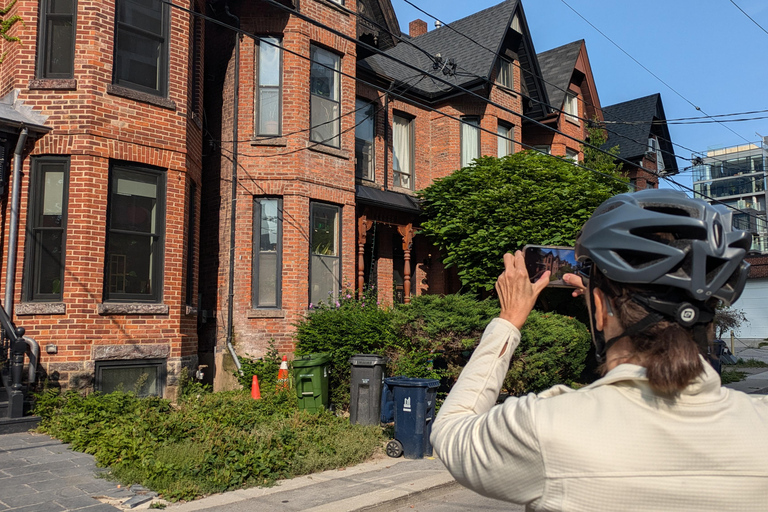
x=557 y=67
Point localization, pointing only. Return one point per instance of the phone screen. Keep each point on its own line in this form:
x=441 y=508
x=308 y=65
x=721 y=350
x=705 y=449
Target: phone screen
x=558 y=260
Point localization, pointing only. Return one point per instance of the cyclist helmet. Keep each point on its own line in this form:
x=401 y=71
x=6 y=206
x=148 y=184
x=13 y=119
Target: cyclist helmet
x=683 y=251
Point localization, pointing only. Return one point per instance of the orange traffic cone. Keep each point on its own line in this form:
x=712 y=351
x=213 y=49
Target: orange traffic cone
x=255 y=391
x=282 y=374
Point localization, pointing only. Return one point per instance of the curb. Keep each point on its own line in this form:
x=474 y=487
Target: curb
x=417 y=495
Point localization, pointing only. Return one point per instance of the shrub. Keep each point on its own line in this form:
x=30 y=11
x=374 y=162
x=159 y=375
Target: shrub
x=209 y=442
x=342 y=329
x=553 y=349
x=265 y=368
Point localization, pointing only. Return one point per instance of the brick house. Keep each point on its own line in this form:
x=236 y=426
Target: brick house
x=573 y=96
x=103 y=274
x=640 y=130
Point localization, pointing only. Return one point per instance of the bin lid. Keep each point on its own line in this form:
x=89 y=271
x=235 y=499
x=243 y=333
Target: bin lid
x=367 y=360
x=412 y=382
x=310 y=360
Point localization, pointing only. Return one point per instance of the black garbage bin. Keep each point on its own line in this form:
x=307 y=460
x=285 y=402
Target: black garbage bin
x=414 y=410
x=365 y=388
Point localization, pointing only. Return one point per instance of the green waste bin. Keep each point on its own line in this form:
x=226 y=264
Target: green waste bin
x=310 y=373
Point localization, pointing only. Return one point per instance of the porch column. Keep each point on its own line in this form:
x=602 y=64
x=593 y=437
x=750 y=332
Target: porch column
x=407 y=233
x=363 y=225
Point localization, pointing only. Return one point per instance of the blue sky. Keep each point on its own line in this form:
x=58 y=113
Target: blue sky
x=706 y=50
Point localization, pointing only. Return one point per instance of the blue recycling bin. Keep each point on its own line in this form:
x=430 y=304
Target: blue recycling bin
x=411 y=402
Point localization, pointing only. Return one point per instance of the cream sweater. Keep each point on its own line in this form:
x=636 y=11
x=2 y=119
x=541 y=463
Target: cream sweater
x=613 y=445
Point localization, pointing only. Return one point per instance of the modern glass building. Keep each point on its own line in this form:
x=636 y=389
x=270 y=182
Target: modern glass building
x=736 y=176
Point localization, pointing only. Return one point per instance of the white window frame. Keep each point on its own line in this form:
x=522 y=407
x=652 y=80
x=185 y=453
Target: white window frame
x=571 y=107
x=506 y=76
x=505 y=134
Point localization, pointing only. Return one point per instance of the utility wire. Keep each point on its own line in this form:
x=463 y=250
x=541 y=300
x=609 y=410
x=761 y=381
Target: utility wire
x=412 y=101
x=750 y=17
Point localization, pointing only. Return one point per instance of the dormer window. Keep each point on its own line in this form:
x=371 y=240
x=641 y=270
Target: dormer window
x=571 y=107
x=655 y=150
x=506 y=74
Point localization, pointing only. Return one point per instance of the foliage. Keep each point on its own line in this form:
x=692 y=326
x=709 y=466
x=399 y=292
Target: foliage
x=265 y=368
x=599 y=160
x=443 y=327
x=750 y=363
x=552 y=350
x=494 y=206
x=729 y=376
x=6 y=24
x=342 y=329
x=209 y=442
x=727 y=319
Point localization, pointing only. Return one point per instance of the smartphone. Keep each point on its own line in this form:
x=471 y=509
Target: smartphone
x=558 y=260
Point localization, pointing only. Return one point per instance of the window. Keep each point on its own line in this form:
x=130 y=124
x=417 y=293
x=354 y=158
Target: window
x=542 y=148
x=504 y=139
x=324 y=97
x=47 y=224
x=270 y=78
x=571 y=107
x=135 y=235
x=506 y=74
x=196 y=64
x=141 y=46
x=470 y=140
x=325 y=261
x=572 y=155
x=56 y=39
x=402 y=151
x=655 y=150
x=144 y=377
x=191 y=231
x=364 y=139
x=267 y=251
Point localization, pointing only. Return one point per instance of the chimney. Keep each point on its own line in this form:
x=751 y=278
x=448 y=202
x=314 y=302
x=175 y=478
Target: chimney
x=417 y=28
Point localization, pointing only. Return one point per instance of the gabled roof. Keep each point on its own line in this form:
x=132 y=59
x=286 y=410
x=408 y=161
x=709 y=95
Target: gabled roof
x=632 y=122
x=556 y=68
x=475 y=63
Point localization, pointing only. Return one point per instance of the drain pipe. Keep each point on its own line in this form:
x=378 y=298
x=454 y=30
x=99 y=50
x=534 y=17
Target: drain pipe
x=13 y=238
x=232 y=216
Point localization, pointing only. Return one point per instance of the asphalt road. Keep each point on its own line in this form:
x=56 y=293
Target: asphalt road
x=456 y=499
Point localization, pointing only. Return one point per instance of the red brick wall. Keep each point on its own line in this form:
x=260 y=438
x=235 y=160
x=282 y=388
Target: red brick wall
x=94 y=126
x=759 y=267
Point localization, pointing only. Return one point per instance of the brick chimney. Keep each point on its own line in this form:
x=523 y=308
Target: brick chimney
x=417 y=28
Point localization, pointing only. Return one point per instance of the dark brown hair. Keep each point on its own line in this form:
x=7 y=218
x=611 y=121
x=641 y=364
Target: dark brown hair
x=668 y=350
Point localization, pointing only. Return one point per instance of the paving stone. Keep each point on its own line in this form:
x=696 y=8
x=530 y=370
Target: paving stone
x=136 y=501
x=15 y=486
x=101 y=507
x=40 y=467
x=40 y=507
x=77 y=503
x=26 y=499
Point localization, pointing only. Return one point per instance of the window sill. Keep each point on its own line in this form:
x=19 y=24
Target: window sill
x=571 y=120
x=131 y=352
x=506 y=90
x=320 y=148
x=190 y=311
x=266 y=313
x=69 y=84
x=131 y=308
x=41 y=308
x=402 y=190
x=335 y=6
x=269 y=141
x=131 y=94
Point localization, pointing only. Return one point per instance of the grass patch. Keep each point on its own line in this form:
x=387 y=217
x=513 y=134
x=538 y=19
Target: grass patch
x=208 y=442
x=750 y=363
x=729 y=376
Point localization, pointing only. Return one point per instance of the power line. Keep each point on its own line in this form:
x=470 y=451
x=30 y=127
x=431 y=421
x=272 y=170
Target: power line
x=412 y=101
x=750 y=17
x=645 y=68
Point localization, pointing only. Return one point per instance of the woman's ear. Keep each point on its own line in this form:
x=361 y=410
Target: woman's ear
x=602 y=309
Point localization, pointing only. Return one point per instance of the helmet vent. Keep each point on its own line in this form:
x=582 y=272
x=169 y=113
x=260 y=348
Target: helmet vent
x=669 y=210
x=638 y=259
x=714 y=265
x=669 y=235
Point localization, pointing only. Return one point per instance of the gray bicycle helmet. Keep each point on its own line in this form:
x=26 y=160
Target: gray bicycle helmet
x=665 y=240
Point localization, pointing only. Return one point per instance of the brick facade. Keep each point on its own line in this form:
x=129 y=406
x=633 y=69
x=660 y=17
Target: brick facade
x=96 y=124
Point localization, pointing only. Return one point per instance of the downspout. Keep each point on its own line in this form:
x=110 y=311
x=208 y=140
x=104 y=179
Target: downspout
x=233 y=213
x=13 y=238
x=386 y=140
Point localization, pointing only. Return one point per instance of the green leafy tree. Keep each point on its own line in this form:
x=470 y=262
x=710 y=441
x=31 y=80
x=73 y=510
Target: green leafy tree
x=599 y=160
x=497 y=205
x=6 y=24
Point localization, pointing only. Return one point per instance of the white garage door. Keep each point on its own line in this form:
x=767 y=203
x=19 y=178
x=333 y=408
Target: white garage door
x=754 y=303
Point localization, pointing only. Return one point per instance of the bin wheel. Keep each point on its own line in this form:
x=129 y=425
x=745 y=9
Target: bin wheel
x=394 y=448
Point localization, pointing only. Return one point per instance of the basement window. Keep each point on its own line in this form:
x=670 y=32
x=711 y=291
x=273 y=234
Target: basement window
x=145 y=377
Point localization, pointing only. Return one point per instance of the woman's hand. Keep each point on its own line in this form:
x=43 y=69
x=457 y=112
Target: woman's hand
x=517 y=294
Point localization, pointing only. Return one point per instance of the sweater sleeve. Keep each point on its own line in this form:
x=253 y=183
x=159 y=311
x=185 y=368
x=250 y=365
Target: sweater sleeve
x=492 y=450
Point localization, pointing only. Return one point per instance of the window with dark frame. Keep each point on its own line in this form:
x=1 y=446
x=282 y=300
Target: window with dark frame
x=145 y=377
x=135 y=235
x=325 y=256
x=197 y=42
x=267 y=252
x=270 y=81
x=141 y=46
x=365 y=131
x=47 y=225
x=56 y=39
x=470 y=140
x=402 y=151
x=191 y=231
x=324 y=107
